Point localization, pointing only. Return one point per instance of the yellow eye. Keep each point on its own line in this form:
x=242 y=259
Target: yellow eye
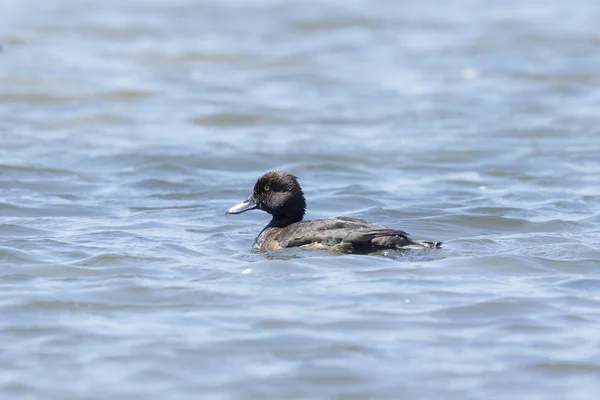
x=267 y=188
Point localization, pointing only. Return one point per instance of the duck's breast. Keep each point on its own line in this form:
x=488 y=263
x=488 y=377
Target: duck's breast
x=268 y=239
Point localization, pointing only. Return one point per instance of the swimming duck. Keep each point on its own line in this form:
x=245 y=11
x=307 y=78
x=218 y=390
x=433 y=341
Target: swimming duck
x=279 y=194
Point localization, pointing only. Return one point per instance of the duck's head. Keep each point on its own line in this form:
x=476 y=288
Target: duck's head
x=277 y=193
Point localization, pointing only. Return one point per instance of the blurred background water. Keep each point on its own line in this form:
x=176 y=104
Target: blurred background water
x=127 y=128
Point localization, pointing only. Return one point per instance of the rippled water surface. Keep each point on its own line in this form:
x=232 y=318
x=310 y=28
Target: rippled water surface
x=127 y=128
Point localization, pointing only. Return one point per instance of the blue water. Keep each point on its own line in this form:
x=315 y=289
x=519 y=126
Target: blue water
x=128 y=128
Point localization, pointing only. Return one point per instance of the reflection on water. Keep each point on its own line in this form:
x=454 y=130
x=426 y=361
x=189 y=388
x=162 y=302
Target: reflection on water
x=128 y=128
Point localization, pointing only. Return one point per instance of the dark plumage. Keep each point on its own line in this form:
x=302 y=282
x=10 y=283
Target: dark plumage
x=279 y=194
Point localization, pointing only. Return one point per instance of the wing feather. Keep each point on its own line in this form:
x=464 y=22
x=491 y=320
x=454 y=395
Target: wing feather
x=345 y=231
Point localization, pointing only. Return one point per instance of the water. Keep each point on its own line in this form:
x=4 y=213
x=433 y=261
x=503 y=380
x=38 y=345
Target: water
x=127 y=128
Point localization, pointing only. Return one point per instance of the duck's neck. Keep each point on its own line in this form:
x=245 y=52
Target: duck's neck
x=283 y=220
x=293 y=212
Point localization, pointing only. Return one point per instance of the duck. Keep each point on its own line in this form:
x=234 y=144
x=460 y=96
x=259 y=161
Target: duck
x=279 y=194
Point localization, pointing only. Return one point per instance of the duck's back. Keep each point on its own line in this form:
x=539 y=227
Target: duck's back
x=342 y=234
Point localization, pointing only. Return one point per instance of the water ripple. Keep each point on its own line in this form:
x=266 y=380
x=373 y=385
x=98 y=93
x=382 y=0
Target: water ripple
x=128 y=128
